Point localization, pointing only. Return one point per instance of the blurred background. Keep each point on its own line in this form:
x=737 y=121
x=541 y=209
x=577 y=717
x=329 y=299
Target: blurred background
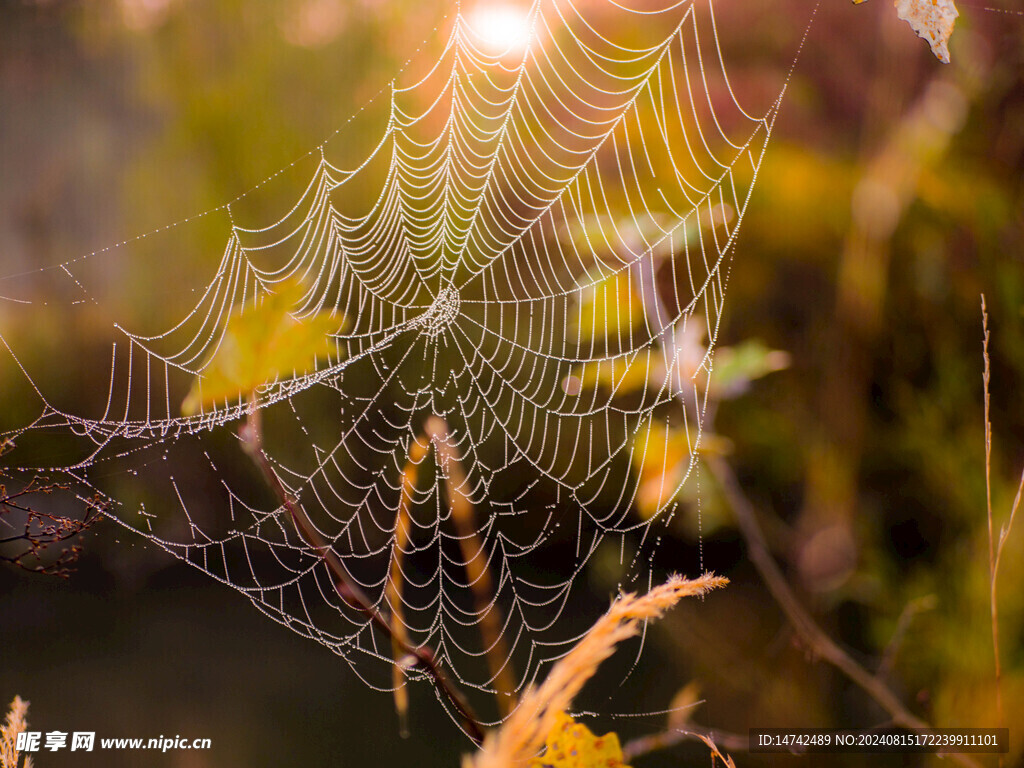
x=891 y=197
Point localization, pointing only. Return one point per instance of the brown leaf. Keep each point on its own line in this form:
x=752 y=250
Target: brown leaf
x=931 y=19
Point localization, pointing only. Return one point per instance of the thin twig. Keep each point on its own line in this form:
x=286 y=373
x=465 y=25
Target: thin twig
x=43 y=530
x=727 y=760
x=907 y=615
x=732 y=742
x=805 y=626
x=760 y=555
x=1004 y=532
x=346 y=588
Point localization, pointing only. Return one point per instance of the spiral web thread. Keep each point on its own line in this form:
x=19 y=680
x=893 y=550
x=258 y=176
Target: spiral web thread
x=532 y=232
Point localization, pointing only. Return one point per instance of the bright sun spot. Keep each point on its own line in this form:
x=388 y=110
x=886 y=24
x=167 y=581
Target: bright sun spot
x=501 y=28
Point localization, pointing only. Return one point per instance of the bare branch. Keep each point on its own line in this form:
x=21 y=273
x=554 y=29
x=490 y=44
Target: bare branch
x=809 y=631
x=347 y=589
x=42 y=532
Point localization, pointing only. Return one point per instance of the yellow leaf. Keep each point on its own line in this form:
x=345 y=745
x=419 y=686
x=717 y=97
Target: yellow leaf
x=607 y=309
x=621 y=375
x=661 y=456
x=259 y=344
x=657 y=448
x=572 y=745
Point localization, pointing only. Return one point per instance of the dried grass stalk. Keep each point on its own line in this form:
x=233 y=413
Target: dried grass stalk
x=393 y=589
x=522 y=735
x=995 y=545
x=481 y=583
x=14 y=724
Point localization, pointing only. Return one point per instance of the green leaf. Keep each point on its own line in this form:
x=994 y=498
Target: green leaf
x=736 y=367
x=260 y=344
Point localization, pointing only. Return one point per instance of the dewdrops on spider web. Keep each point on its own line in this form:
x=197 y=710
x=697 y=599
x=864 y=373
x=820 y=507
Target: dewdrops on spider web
x=533 y=252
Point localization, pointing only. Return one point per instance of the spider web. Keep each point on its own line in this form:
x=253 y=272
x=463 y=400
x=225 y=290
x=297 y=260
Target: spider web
x=532 y=233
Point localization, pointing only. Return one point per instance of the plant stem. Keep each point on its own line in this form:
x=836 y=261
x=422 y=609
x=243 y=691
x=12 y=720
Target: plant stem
x=986 y=377
x=765 y=564
x=995 y=550
x=393 y=587
x=731 y=742
x=805 y=626
x=347 y=589
x=478 y=574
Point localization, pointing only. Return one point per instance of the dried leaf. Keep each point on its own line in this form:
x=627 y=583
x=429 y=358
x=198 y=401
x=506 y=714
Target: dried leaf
x=259 y=344
x=683 y=704
x=931 y=19
x=572 y=745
